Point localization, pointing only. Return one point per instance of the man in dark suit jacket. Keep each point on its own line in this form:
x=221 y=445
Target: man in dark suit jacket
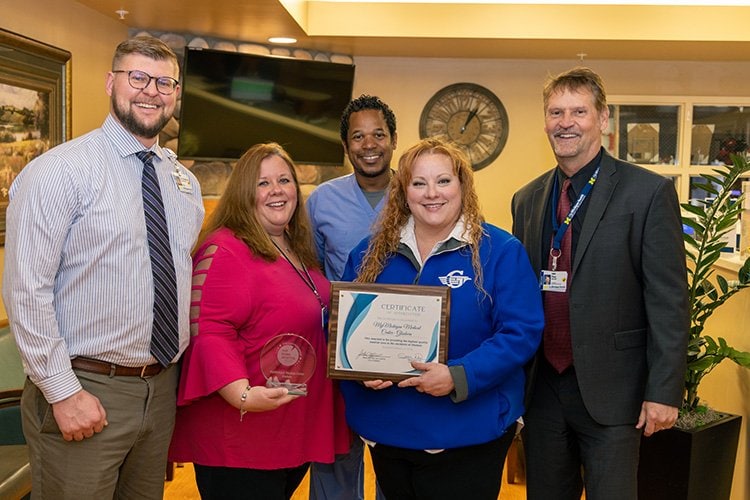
x=624 y=320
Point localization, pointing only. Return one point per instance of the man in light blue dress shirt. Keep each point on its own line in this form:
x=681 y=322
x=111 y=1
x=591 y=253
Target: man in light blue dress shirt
x=98 y=409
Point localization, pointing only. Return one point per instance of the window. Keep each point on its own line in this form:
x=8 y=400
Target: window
x=718 y=131
x=643 y=134
x=680 y=137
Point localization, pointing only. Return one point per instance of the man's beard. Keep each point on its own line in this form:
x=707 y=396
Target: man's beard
x=130 y=122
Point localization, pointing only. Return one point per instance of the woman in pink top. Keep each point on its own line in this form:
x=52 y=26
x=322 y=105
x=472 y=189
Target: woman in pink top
x=259 y=304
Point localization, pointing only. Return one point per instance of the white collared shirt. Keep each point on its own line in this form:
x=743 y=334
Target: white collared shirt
x=409 y=238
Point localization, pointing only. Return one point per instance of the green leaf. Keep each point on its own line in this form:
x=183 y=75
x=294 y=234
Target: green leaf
x=710 y=186
x=711 y=344
x=741 y=358
x=744 y=274
x=693 y=223
x=722 y=283
x=715 y=248
x=725 y=225
x=701 y=364
x=699 y=211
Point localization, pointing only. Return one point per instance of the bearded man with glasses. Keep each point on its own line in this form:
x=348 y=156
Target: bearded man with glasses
x=97 y=289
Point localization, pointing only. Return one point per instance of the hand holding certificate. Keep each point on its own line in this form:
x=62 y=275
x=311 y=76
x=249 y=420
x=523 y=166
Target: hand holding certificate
x=434 y=379
x=376 y=330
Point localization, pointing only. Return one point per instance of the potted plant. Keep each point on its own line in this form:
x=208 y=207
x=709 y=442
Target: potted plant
x=699 y=429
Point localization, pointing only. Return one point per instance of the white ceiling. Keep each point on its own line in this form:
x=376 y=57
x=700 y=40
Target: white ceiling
x=460 y=30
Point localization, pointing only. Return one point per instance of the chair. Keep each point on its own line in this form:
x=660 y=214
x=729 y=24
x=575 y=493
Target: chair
x=15 y=471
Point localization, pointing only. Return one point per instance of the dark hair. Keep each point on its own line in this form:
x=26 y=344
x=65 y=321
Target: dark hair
x=366 y=102
x=148 y=46
x=575 y=79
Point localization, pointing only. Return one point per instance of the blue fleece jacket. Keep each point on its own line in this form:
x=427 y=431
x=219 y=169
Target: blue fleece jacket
x=491 y=337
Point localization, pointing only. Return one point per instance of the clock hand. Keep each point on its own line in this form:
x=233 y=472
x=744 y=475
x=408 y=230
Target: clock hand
x=472 y=114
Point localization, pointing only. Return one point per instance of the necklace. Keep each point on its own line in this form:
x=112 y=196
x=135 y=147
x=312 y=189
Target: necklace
x=278 y=247
x=307 y=279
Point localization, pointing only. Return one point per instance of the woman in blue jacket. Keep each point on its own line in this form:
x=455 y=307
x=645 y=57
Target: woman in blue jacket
x=445 y=433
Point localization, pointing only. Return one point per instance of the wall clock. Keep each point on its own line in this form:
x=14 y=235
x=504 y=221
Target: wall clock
x=470 y=116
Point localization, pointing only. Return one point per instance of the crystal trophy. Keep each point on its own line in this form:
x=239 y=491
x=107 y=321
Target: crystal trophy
x=288 y=360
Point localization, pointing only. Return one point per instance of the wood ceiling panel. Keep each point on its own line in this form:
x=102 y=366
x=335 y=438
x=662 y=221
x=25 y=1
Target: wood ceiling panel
x=256 y=20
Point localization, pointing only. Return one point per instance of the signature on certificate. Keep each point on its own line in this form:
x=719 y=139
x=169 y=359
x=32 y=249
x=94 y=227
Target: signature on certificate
x=372 y=356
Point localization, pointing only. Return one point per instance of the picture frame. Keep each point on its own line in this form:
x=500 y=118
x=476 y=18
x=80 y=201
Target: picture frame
x=376 y=330
x=35 y=104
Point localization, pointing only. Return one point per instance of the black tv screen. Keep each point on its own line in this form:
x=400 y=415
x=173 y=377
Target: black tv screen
x=231 y=101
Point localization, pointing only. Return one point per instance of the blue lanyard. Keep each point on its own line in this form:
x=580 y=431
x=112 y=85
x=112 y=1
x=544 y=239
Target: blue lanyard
x=560 y=230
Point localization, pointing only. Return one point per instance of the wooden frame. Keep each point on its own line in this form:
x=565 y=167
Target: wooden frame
x=35 y=100
x=410 y=320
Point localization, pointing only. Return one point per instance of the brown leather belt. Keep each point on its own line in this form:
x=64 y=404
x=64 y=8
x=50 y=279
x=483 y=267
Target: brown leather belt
x=113 y=370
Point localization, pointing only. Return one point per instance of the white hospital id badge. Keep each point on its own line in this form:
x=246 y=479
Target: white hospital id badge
x=182 y=180
x=553 y=281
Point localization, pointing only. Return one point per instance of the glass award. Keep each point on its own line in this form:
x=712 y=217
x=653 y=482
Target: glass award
x=288 y=360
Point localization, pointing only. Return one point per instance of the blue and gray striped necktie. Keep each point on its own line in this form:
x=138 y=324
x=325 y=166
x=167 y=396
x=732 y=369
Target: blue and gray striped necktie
x=164 y=336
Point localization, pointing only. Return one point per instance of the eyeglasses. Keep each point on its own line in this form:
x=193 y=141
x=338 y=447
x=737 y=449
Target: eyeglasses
x=140 y=80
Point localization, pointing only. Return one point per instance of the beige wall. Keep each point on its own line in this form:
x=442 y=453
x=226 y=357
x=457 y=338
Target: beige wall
x=406 y=84
x=728 y=386
x=88 y=35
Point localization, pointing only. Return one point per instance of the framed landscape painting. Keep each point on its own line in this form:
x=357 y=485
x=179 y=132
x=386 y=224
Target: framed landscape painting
x=34 y=106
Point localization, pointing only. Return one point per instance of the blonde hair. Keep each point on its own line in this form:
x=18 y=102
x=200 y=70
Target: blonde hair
x=384 y=242
x=236 y=209
x=575 y=80
x=147 y=46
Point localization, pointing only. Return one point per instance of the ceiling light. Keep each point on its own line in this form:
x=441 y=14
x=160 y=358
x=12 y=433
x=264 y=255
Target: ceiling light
x=282 y=39
x=122 y=13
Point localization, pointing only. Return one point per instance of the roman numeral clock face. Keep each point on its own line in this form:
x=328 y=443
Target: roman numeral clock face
x=471 y=117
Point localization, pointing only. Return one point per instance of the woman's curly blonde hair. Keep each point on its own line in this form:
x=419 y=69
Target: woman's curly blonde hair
x=387 y=236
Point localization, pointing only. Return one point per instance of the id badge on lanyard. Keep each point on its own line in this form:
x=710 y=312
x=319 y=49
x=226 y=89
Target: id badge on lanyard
x=552 y=280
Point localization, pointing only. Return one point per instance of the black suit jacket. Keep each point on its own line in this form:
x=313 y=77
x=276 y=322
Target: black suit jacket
x=629 y=314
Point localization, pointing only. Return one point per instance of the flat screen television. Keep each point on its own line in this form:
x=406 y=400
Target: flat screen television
x=231 y=101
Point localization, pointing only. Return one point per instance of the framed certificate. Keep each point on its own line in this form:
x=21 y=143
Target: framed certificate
x=376 y=330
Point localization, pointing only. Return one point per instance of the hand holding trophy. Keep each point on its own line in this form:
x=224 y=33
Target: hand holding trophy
x=288 y=360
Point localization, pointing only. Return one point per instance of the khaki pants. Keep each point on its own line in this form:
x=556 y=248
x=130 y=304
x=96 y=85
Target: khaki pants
x=127 y=460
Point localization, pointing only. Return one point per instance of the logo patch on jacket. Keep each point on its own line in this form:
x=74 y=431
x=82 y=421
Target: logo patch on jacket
x=454 y=279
